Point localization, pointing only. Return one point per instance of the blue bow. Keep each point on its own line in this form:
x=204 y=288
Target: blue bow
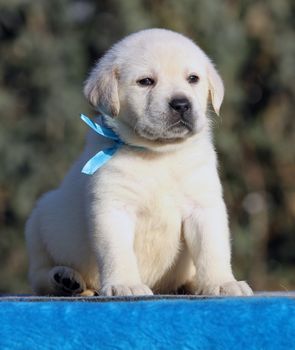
x=104 y=155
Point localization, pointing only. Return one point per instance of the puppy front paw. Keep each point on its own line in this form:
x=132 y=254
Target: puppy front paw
x=236 y=288
x=231 y=288
x=125 y=290
x=66 y=281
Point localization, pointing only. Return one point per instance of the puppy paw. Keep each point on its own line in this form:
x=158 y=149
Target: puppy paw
x=236 y=288
x=232 y=288
x=124 y=290
x=66 y=281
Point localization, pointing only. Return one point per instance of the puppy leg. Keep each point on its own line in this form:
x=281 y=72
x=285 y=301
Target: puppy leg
x=207 y=236
x=46 y=279
x=40 y=263
x=113 y=238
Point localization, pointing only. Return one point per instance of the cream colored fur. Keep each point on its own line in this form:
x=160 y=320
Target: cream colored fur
x=152 y=219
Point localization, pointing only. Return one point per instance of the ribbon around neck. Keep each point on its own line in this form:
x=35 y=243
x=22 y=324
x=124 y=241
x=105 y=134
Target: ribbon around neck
x=104 y=155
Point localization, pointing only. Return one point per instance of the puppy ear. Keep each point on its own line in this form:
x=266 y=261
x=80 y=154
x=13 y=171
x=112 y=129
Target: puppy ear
x=216 y=87
x=101 y=89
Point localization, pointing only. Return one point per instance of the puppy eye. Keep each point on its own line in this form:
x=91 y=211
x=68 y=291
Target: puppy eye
x=146 y=82
x=193 y=79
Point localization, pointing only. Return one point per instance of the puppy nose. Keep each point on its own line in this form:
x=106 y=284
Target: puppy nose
x=180 y=105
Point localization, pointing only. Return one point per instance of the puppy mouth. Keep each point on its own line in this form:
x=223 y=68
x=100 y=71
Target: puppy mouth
x=175 y=132
x=180 y=125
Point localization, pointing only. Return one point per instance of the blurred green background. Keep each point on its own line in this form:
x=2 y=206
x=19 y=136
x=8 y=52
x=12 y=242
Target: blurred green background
x=46 y=51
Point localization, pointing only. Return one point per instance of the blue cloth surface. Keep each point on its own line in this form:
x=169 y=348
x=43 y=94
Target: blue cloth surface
x=215 y=323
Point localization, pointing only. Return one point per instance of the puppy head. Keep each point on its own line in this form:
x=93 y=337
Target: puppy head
x=156 y=83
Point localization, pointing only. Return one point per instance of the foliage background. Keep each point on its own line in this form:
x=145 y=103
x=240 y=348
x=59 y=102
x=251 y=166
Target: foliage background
x=46 y=50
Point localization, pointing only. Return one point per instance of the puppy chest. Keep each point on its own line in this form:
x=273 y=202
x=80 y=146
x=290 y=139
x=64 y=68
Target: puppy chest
x=157 y=238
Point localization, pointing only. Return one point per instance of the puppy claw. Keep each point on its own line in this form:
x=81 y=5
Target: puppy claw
x=124 y=290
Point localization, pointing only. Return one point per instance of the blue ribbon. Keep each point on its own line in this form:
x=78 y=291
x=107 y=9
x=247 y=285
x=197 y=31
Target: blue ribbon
x=104 y=155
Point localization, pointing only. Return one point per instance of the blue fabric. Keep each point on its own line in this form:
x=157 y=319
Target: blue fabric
x=217 y=323
x=103 y=156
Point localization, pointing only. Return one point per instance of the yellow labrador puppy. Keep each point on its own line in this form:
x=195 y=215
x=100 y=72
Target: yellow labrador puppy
x=152 y=218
